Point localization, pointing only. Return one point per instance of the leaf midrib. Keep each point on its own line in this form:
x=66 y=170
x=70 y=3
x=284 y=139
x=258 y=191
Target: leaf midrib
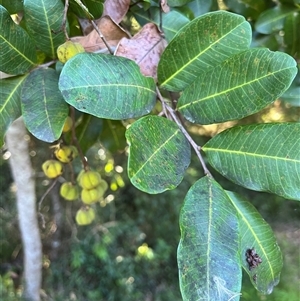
x=154 y=153
x=196 y=57
x=193 y=102
x=241 y=153
x=255 y=237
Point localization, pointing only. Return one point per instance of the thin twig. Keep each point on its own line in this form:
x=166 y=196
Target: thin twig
x=42 y=199
x=102 y=36
x=196 y=147
x=64 y=22
x=74 y=139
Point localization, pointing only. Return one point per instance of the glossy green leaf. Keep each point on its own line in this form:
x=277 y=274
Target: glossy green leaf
x=88 y=131
x=43 y=107
x=43 y=21
x=272 y=20
x=202 y=44
x=292 y=34
x=256 y=233
x=113 y=135
x=172 y=22
x=261 y=157
x=159 y=154
x=12 y=6
x=18 y=53
x=10 y=105
x=208 y=252
x=107 y=86
x=240 y=86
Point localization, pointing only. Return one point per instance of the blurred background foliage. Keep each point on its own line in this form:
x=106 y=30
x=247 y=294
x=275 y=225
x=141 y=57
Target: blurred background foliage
x=129 y=252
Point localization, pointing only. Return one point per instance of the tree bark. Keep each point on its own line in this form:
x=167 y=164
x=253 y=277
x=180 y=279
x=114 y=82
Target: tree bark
x=17 y=143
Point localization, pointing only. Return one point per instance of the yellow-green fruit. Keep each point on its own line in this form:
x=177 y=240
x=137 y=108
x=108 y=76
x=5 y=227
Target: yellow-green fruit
x=103 y=185
x=90 y=196
x=85 y=216
x=68 y=50
x=66 y=153
x=69 y=191
x=89 y=179
x=52 y=168
x=68 y=124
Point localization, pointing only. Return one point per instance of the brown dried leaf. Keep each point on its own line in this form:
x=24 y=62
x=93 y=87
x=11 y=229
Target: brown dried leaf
x=164 y=6
x=111 y=31
x=116 y=9
x=145 y=48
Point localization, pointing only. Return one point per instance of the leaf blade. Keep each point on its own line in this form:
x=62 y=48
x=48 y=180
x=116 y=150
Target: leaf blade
x=10 y=105
x=159 y=154
x=242 y=85
x=43 y=107
x=263 y=157
x=198 y=46
x=256 y=233
x=18 y=50
x=209 y=263
x=107 y=86
x=43 y=22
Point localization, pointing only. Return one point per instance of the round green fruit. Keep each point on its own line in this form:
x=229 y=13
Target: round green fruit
x=52 y=168
x=85 y=216
x=89 y=179
x=69 y=191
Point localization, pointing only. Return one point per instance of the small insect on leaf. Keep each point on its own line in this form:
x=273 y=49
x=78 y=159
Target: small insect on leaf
x=253 y=258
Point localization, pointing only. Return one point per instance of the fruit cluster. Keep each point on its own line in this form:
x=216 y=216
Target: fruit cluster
x=90 y=183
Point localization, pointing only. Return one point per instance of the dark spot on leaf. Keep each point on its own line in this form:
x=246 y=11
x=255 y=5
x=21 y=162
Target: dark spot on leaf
x=252 y=258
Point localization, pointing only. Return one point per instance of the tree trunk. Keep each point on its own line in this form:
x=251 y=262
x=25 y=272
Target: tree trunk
x=23 y=174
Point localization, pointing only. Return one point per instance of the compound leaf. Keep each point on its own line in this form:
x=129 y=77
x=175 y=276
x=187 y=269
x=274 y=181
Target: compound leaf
x=43 y=107
x=208 y=252
x=159 y=154
x=107 y=86
x=203 y=43
x=256 y=233
x=261 y=157
x=240 y=86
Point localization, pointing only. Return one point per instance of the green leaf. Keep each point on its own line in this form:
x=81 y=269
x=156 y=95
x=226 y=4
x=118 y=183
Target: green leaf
x=10 y=106
x=256 y=233
x=203 y=43
x=172 y=22
x=113 y=135
x=272 y=20
x=18 y=53
x=200 y=7
x=247 y=8
x=208 y=252
x=178 y=2
x=13 y=6
x=44 y=109
x=107 y=86
x=292 y=34
x=88 y=131
x=43 y=21
x=240 y=86
x=261 y=157
x=159 y=154
x=292 y=95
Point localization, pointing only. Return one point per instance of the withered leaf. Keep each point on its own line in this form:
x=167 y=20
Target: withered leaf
x=145 y=48
x=110 y=30
x=116 y=9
